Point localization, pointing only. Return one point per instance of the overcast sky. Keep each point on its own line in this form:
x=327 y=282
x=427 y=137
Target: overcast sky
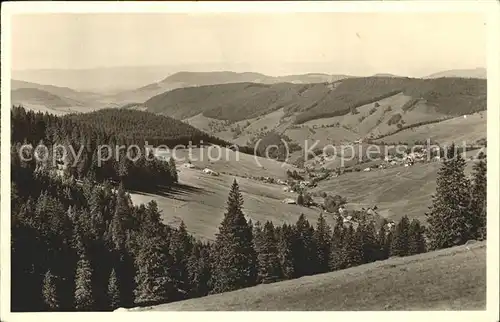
x=275 y=44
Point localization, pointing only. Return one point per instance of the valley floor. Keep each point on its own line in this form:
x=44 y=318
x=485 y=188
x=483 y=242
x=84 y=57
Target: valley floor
x=200 y=199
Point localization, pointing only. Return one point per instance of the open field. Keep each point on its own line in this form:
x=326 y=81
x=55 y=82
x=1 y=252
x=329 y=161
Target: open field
x=397 y=191
x=448 y=279
x=370 y=121
x=200 y=201
x=458 y=130
x=225 y=160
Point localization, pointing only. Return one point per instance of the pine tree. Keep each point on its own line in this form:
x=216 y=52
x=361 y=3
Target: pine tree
x=49 y=292
x=300 y=199
x=84 y=299
x=416 y=239
x=285 y=251
x=353 y=247
x=400 y=240
x=119 y=238
x=82 y=163
x=369 y=242
x=199 y=270
x=153 y=280
x=449 y=220
x=382 y=241
x=269 y=269
x=304 y=248
x=98 y=225
x=337 y=246
x=258 y=245
x=180 y=251
x=323 y=239
x=118 y=223
x=388 y=241
x=235 y=264
x=173 y=170
x=113 y=291
x=478 y=199
x=151 y=225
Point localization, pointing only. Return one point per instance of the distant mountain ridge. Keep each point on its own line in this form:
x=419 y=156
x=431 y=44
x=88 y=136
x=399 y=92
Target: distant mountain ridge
x=462 y=73
x=56 y=90
x=37 y=96
x=101 y=80
x=195 y=79
x=50 y=96
x=113 y=80
x=73 y=95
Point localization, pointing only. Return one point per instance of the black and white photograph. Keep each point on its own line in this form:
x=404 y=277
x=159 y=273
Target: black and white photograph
x=223 y=159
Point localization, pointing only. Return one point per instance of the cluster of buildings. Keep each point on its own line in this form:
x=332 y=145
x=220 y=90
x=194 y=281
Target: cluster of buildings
x=410 y=158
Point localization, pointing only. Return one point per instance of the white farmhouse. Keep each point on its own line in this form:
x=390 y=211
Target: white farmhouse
x=210 y=172
x=289 y=201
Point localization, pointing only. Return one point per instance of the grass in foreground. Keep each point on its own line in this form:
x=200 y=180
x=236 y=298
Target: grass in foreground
x=449 y=279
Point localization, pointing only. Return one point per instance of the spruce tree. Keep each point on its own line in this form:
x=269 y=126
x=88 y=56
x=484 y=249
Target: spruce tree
x=180 y=251
x=304 y=248
x=369 y=242
x=98 y=225
x=382 y=241
x=84 y=299
x=258 y=245
x=449 y=220
x=478 y=199
x=285 y=251
x=173 y=170
x=49 y=292
x=300 y=199
x=151 y=225
x=119 y=236
x=323 y=239
x=337 y=246
x=353 y=247
x=400 y=240
x=269 y=269
x=388 y=241
x=153 y=280
x=199 y=270
x=235 y=258
x=113 y=291
x=416 y=239
x=117 y=227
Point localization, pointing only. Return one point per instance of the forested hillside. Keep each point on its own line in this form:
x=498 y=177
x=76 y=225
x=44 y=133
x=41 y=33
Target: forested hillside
x=132 y=125
x=240 y=101
x=94 y=138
